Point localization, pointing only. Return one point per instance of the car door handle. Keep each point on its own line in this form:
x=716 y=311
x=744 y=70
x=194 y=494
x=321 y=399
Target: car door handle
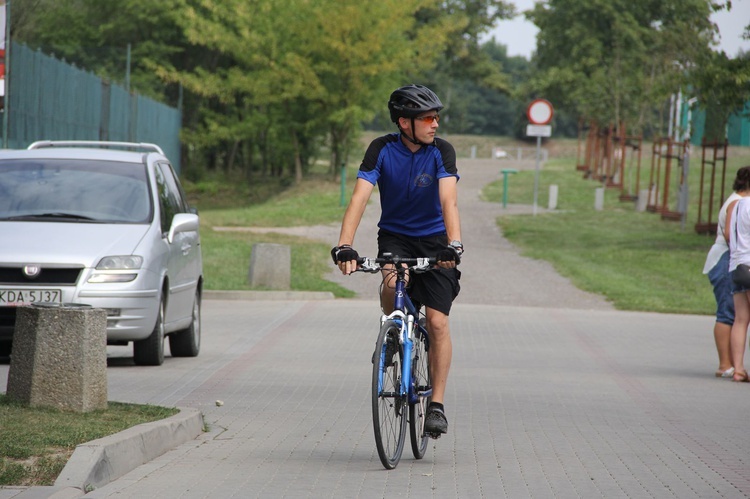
x=185 y=249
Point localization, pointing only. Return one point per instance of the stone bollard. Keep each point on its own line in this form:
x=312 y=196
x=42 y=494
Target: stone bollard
x=552 y=203
x=270 y=266
x=599 y=199
x=642 y=201
x=59 y=357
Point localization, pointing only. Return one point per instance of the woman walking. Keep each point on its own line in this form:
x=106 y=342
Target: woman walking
x=737 y=232
x=717 y=269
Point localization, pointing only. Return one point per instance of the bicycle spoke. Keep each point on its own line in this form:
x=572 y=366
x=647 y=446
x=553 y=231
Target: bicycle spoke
x=421 y=385
x=388 y=406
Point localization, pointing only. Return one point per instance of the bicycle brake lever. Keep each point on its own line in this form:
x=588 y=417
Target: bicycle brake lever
x=423 y=265
x=369 y=265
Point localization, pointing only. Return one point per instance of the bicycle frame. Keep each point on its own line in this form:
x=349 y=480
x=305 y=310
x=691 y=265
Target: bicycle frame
x=405 y=314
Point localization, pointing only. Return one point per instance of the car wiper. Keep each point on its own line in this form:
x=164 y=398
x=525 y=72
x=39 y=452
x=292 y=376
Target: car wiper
x=42 y=216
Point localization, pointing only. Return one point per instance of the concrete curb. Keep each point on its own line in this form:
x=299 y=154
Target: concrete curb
x=268 y=295
x=96 y=463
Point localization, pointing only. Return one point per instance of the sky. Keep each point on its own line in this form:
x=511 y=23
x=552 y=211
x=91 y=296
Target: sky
x=519 y=35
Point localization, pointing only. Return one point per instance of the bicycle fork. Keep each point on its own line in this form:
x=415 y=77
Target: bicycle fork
x=406 y=342
x=406 y=389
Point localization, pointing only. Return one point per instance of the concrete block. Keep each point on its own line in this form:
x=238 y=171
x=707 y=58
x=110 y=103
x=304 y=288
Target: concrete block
x=642 y=201
x=599 y=199
x=270 y=266
x=59 y=358
x=552 y=205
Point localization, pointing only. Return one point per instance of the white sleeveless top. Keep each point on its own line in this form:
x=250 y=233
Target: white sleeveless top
x=720 y=244
x=739 y=235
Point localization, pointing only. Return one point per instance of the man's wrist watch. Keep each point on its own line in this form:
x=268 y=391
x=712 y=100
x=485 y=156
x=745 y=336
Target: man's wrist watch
x=455 y=244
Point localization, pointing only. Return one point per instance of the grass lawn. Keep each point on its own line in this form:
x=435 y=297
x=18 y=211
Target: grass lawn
x=36 y=443
x=636 y=259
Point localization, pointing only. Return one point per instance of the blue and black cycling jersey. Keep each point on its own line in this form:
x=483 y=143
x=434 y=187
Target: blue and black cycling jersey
x=408 y=183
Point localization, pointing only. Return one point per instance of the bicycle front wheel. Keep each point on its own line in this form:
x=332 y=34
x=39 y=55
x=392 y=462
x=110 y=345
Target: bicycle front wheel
x=388 y=406
x=422 y=385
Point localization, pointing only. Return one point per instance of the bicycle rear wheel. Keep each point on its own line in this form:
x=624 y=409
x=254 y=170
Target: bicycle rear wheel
x=420 y=368
x=388 y=406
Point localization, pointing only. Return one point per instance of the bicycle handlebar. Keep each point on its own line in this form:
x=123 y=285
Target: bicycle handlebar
x=373 y=265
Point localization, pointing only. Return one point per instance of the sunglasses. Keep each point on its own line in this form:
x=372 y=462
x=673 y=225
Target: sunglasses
x=427 y=120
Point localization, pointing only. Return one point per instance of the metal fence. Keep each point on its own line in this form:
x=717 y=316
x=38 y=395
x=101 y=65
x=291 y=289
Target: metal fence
x=48 y=99
x=738 y=126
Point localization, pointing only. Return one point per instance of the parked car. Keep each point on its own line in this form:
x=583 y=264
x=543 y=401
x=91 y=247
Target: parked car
x=105 y=224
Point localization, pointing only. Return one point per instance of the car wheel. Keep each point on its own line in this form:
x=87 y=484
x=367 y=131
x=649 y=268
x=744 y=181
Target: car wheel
x=150 y=352
x=187 y=343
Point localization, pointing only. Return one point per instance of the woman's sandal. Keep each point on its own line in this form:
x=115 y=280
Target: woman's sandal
x=740 y=377
x=724 y=374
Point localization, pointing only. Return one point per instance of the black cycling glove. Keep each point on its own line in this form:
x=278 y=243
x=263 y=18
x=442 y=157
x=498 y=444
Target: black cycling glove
x=343 y=253
x=450 y=254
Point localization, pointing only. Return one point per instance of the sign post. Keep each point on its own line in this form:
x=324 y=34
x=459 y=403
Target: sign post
x=540 y=114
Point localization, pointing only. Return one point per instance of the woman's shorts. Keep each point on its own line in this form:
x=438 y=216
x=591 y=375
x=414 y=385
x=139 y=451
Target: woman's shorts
x=435 y=289
x=737 y=288
x=721 y=280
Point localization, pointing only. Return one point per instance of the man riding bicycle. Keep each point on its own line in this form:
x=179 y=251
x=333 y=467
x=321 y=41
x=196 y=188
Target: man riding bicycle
x=417 y=177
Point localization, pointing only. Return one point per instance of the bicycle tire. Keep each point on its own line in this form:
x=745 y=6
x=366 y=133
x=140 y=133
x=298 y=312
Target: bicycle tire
x=388 y=406
x=421 y=383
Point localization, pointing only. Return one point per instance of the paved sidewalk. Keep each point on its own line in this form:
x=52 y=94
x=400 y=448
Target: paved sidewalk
x=542 y=402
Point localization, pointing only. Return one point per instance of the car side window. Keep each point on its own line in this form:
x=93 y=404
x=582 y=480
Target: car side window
x=170 y=199
x=174 y=182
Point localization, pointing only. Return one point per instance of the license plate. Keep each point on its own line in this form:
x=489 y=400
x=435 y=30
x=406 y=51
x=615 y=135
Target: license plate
x=18 y=297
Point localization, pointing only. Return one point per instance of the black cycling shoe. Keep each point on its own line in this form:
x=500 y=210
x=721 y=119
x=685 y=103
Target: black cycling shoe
x=435 y=423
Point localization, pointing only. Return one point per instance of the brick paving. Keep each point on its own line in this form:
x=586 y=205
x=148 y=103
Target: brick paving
x=542 y=402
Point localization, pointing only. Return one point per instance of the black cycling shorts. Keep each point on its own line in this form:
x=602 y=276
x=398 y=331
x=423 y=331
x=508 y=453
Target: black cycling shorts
x=435 y=289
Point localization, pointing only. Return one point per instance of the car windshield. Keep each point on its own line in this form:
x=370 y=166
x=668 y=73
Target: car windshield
x=74 y=190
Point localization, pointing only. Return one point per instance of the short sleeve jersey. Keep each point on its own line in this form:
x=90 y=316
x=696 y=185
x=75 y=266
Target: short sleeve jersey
x=408 y=183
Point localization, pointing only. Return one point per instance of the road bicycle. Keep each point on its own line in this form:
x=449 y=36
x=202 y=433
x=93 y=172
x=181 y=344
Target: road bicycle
x=401 y=367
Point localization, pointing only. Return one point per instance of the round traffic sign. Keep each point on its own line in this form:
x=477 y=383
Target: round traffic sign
x=539 y=112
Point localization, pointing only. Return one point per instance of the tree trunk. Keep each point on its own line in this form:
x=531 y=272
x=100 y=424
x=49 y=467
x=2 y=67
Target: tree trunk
x=232 y=155
x=716 y=123
x=297 y=159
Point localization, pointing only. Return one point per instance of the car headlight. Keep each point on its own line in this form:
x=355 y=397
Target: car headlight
x=128 y=262
x=116 y=269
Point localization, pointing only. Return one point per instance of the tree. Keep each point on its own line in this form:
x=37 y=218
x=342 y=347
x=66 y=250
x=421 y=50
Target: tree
x=477 y=109
x=268 y=83
x=722 y=86
x=85 y=34
x=361 y=52
x=615 y=60
x=325 y=65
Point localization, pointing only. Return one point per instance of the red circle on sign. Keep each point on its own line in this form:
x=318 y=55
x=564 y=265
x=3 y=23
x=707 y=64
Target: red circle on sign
x=540 y=112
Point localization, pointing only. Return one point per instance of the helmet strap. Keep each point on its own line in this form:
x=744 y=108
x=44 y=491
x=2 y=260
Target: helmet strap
x=414 y=139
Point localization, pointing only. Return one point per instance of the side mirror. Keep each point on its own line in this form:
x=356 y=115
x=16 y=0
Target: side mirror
x=183 y=222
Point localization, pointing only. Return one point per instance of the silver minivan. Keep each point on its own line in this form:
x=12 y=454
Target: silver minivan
x=105 y=224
